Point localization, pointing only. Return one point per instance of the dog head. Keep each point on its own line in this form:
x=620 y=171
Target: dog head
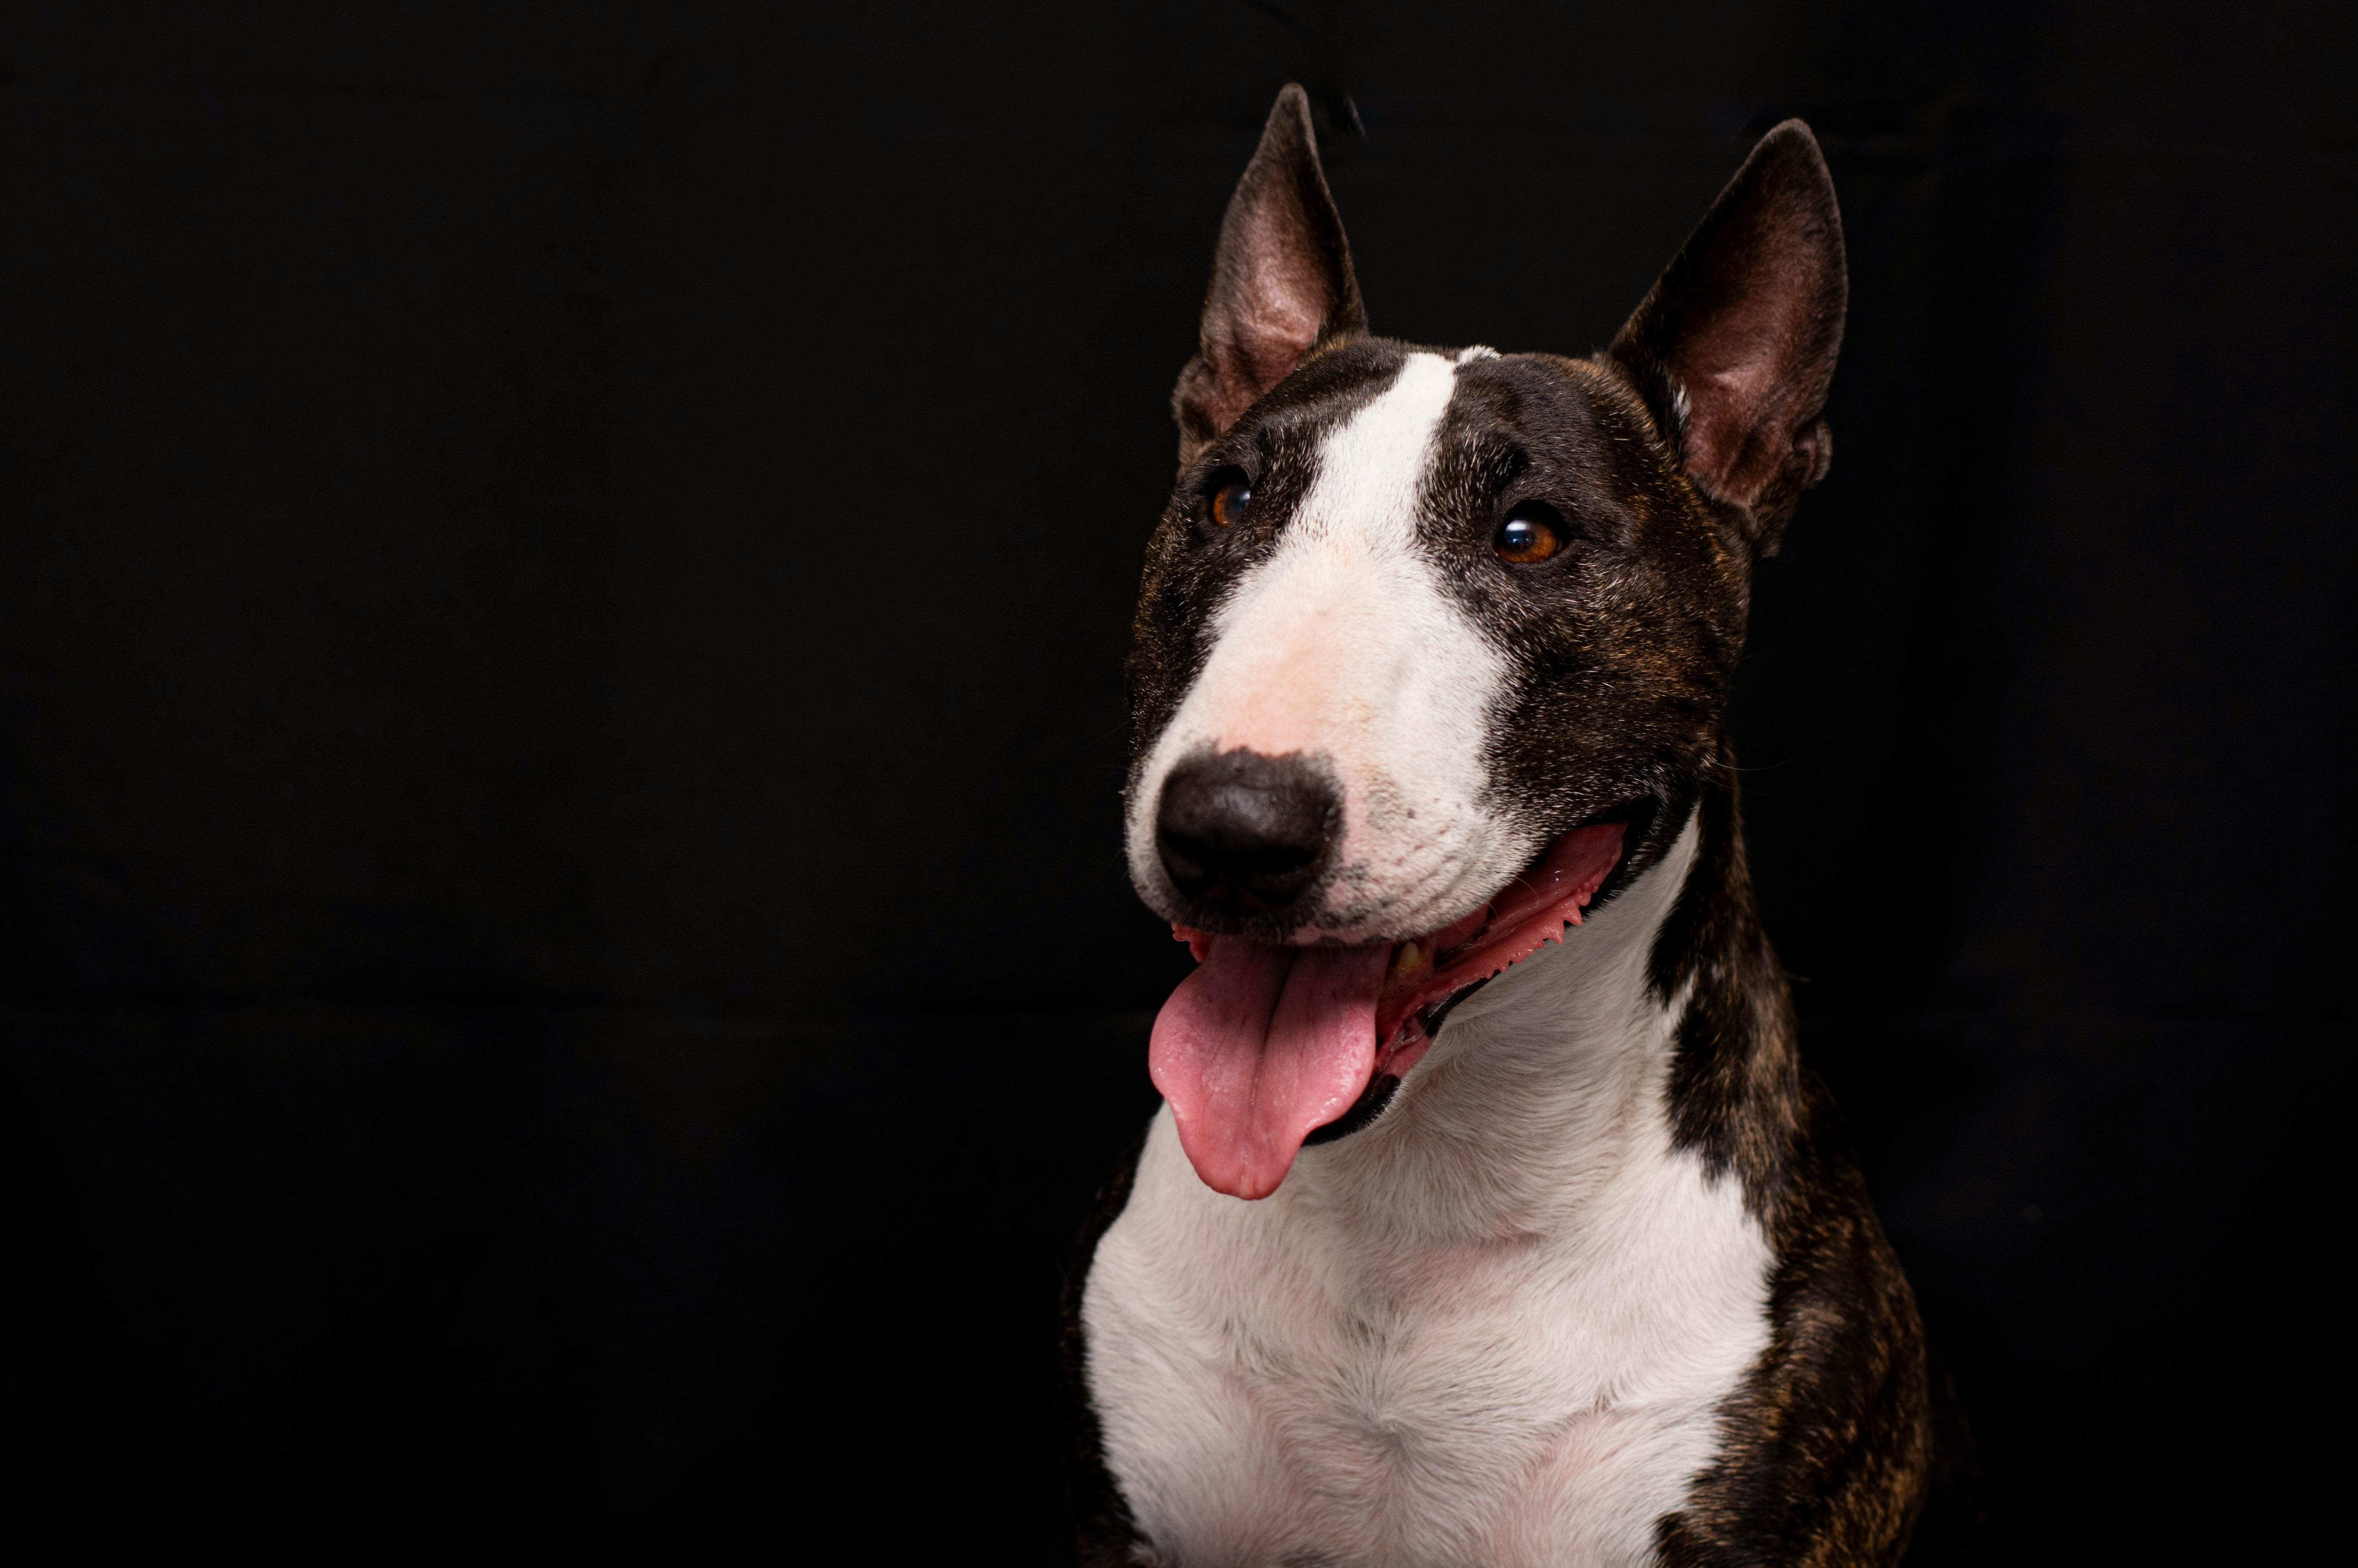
x=1433 y=645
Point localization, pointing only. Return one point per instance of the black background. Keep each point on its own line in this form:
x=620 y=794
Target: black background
x=563 y=568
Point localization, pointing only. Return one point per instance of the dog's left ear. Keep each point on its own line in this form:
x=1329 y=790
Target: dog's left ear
x=1282 y=281
x=1733 y=348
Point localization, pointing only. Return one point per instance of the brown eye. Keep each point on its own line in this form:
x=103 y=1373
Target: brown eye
x=1231 y=493
x=1531 y=533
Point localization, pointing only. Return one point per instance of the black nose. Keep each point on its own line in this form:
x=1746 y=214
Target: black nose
x=1245 y=830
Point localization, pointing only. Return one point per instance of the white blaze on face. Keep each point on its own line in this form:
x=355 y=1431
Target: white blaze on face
x=1346 y=644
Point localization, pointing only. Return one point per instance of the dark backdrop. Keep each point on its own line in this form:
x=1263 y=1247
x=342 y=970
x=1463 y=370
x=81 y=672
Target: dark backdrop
x=563 y=568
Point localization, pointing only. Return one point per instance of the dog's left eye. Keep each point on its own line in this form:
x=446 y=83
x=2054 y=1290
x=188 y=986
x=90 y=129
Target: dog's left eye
x=1231 y=493
x=1531 y=533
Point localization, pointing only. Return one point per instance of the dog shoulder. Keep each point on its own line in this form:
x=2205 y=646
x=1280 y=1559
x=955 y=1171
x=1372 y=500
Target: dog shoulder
x=1832 y=1450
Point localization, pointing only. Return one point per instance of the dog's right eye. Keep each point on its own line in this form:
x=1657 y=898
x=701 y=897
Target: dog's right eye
x=1231 y=492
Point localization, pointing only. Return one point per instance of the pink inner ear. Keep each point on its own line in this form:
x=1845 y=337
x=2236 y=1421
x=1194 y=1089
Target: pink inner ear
x=1280 y=275
x=1745 y=370
x=1274 y=319
x=1721 y=405
x=1281 y=329
x=1743 y=325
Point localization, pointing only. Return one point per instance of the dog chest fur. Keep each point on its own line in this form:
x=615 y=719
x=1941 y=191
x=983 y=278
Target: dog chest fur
x=1418 y=1351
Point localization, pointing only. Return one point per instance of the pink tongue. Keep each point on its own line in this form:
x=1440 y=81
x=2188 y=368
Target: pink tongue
x=1259 y=1047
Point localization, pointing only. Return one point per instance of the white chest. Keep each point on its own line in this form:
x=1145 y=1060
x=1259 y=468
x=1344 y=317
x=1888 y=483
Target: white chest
x=1493 y=1330
x=1269 y=1403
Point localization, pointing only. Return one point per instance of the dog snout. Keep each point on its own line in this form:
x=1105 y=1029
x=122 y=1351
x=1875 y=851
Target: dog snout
x=1241 y=832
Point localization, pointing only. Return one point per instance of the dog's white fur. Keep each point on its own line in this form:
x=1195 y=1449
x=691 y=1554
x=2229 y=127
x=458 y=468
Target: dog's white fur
x=1493 y=1329
x=1344 y=644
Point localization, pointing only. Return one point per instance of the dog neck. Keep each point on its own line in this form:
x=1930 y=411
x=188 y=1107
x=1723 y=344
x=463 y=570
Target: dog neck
x=1551 y=1087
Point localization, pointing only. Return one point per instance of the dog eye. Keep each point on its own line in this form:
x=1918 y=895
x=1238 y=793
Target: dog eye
x=1532 y=532
x=1231 y=493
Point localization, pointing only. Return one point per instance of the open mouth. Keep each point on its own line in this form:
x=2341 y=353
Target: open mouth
x=1267 y=1047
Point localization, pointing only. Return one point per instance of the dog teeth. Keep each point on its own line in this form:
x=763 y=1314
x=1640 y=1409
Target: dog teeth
x=1409 y=959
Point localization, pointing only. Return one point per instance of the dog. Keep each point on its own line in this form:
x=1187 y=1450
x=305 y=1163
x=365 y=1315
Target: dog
x=1490 y=1217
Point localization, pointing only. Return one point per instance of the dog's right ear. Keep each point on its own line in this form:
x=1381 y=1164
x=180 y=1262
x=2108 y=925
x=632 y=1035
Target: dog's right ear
x=1282 y=281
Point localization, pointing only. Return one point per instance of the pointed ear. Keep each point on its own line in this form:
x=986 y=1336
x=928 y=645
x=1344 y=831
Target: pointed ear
x=1282 y=281
x=1733 y=348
